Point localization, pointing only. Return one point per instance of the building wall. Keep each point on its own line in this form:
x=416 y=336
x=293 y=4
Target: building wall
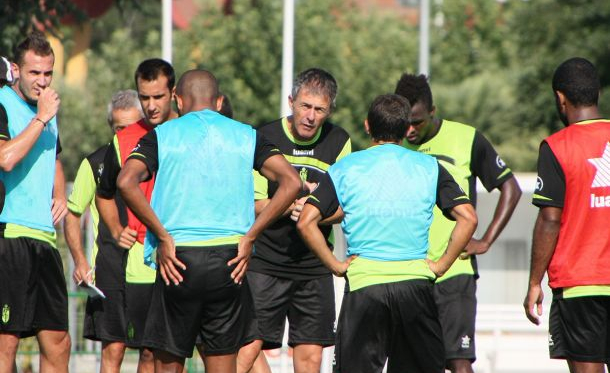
x=504 y=269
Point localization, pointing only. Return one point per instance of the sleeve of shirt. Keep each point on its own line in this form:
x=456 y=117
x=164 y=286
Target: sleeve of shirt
x=83 y=189
x=550 y=183
x=448 y=193
x=261 y=186
x=147 y=151
x=347 y=149
x=112 y=167
x=264 y=149
x=4 y=134
x=486 y=164
x=58 y=148
x=325 y=197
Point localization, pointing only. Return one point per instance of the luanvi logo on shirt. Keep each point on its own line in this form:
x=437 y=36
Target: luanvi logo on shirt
x=303 y=152
x=602 y=165
x=601 y=179
x=6 y=314
x=599 y=201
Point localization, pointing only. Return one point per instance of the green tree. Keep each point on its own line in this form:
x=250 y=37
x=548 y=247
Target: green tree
x=83 y=112
x=243 y=51
x=365 y=52
x=548 y=32
x=468 y=38
x=18 y=16
x=491 y=62
x=487 y=101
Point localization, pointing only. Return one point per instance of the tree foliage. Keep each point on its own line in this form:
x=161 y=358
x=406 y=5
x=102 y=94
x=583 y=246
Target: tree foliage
x=492 y=65
x=547 y=33
x=365 y=53
x=83 y=113
x=468 y=38
x=491 y=62
x=17 y=17
x=113 y=60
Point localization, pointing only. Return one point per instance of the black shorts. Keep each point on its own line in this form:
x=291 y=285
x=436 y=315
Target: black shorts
x=579 y=329
x=138 y=298
x=105 y=319
x=397 y=321
x=457 y=309
x=33 y=293
x=309 y=306
x=208 y=302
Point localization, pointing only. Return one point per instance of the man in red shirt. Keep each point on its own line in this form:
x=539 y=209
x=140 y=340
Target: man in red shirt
x=154 y=80
x=571 y=237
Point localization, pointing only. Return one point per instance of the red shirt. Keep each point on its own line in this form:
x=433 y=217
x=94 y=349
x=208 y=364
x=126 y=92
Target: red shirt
x=128 y=139
x=582 y=252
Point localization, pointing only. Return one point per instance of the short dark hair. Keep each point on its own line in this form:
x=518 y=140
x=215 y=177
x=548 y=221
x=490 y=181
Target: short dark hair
x=318 y=81
x=150 y=70
x=577 y=79
x=415 y=88
x=35 y=42
x=388 y=117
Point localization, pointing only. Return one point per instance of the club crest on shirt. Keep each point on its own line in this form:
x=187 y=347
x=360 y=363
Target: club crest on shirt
x=539 y=183
x=303 y=174
x=130 y=331
x=465 y=342
x=499 y=162
x=6 y=314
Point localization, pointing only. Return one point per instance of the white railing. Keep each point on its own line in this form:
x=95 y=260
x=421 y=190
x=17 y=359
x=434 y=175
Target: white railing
x=507 y=342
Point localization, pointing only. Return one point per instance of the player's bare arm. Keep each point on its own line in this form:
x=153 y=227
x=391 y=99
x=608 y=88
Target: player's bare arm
x=72 y=232
x=134 y=172
x=510 y=192
x=14 y=150
x=109 y=213
x=309 y=230
x=278 y=170
x=546 y=232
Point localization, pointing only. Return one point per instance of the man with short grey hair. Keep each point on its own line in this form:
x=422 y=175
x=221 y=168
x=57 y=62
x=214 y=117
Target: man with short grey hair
x=122 y=109
x=286 y=279
x=104 y=318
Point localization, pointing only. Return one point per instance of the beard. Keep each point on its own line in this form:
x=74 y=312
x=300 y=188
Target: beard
x=26 y=93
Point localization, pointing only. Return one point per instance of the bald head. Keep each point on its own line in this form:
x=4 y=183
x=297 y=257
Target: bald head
x=197 y=90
